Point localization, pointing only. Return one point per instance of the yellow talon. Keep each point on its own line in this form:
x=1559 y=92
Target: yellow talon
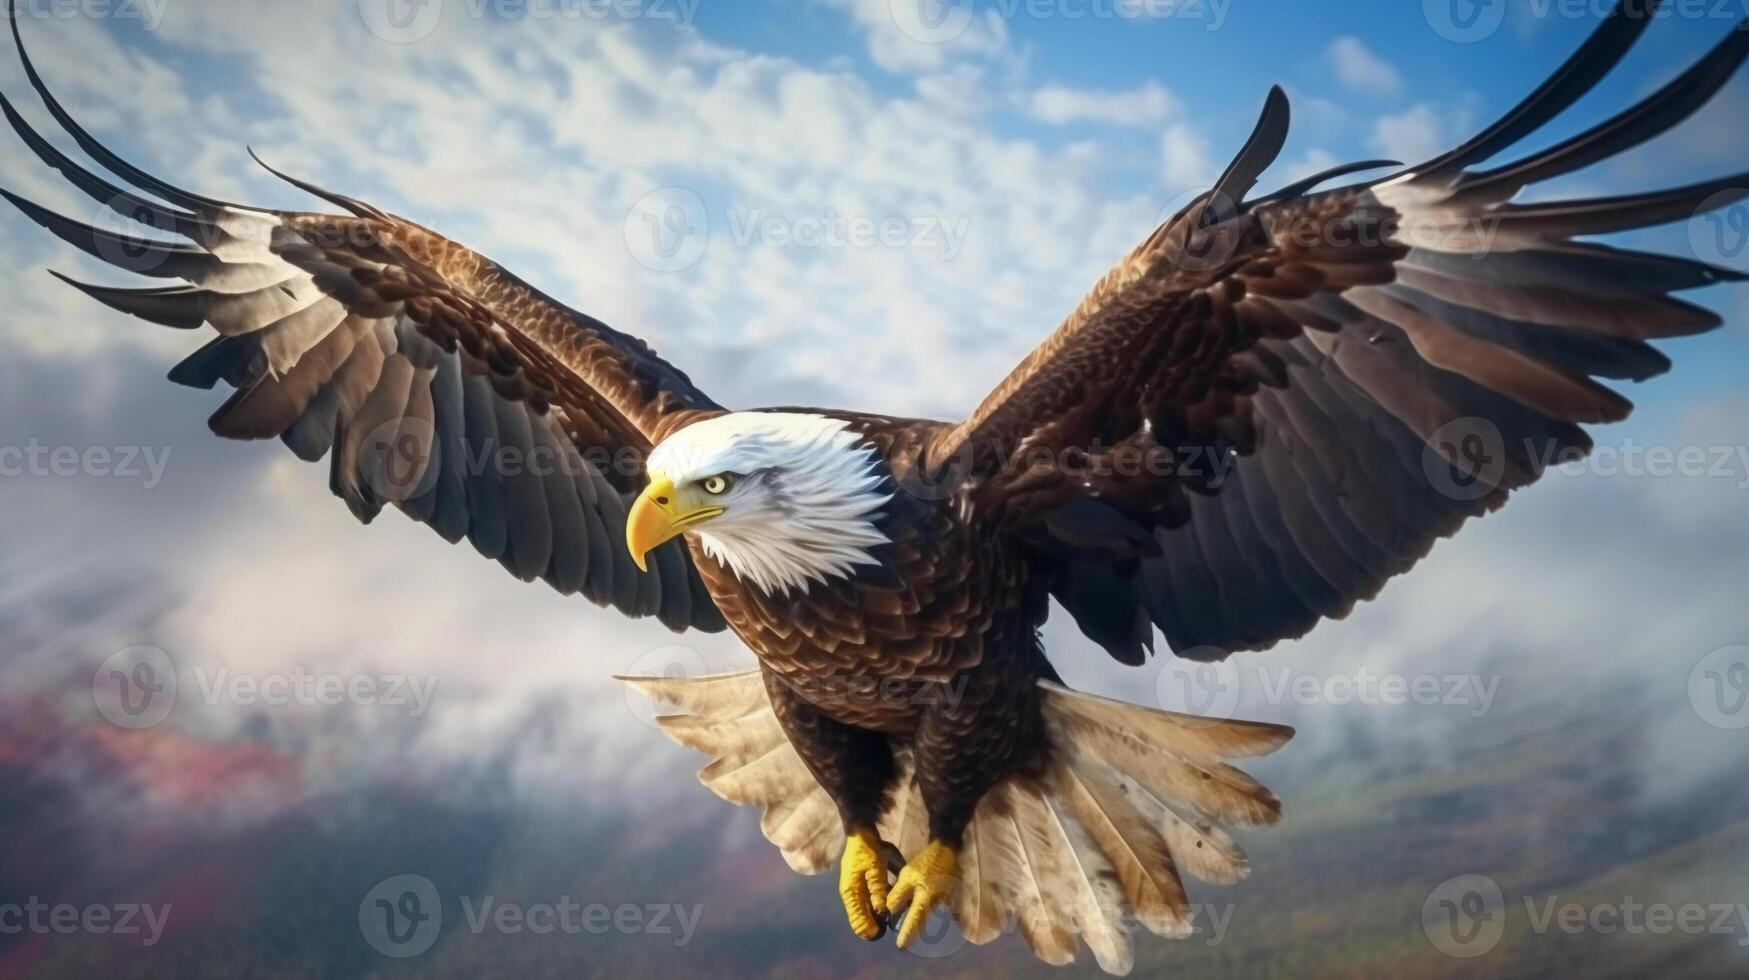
x=862 y=884
x=927 y=883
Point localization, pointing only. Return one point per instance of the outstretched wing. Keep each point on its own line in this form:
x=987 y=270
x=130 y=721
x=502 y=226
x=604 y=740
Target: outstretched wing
x=1270 y=408
x=432 y=378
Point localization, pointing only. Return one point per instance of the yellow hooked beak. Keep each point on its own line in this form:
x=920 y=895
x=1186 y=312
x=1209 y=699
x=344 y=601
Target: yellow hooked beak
x=660 y=513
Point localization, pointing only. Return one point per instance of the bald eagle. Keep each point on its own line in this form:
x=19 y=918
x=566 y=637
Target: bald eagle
x=1254 y=420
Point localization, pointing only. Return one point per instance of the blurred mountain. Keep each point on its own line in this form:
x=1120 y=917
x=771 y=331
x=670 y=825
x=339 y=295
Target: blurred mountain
x=268 y=843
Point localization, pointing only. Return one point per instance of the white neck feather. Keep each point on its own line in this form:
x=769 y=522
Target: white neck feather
x=804 y=505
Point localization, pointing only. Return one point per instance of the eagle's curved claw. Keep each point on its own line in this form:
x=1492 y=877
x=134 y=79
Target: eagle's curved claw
x=926 y=883
x=862 y=884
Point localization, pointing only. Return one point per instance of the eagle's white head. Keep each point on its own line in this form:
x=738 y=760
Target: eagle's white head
x=780 y=498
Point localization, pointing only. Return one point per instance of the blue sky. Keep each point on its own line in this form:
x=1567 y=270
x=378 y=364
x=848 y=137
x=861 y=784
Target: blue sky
x=1120 y=113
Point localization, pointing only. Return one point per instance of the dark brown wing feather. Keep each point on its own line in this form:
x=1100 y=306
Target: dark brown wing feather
x=432 y=378
x=1268 y=409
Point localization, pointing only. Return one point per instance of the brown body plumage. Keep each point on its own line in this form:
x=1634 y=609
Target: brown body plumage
x=933 y=649
x=1251 y=423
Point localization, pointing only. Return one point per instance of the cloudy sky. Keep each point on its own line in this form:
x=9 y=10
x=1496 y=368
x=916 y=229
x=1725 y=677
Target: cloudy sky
x=840 y=202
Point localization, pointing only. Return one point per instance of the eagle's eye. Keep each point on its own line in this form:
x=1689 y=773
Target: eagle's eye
x=715 y=484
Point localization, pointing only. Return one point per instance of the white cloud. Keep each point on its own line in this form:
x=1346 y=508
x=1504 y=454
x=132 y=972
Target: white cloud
x=1312 y=162
x=1143 y=106
x=1359 y=69
x=923 y=35
x=1184 y=156
x=1416 y=134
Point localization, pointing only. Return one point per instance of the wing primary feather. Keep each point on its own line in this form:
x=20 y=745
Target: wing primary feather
x=676 y=598
x=137 y=208
x=160 y=260
x=488 y=527
x=1598 y=216
x=1591 y=268
x=526 y=514
x=450 y=515
x=1595 y=59
x=353 y=205
x=238 y=361
x=1646 y=120
x=1301 y=186
x=1259 y=151
x=102 y=154
x=181 y=307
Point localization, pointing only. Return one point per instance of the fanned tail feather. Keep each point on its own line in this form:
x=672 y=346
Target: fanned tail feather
x=1084 y=854
x=729 y=718
x=1131 y=795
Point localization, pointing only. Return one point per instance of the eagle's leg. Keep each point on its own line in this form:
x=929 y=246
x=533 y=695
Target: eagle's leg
x=925 y=883
x=979 y=729
x=862 y=882
x=855 y=767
